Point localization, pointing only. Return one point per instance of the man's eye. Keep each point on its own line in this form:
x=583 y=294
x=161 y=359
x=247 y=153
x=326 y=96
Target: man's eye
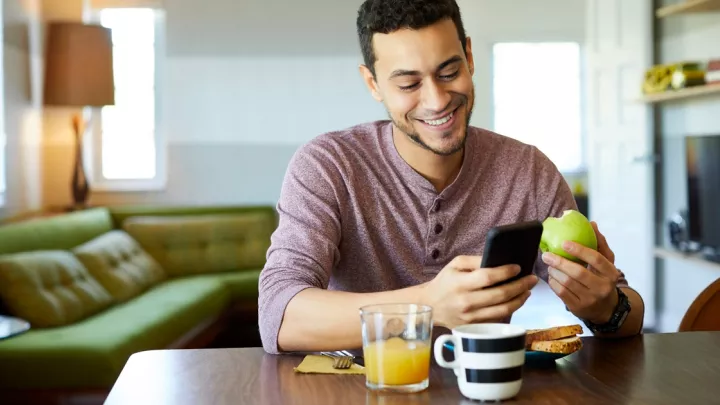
x=450 y=76
x=409 y=87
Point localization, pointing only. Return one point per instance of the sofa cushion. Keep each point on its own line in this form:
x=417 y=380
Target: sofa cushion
x=201 y=244
x=49 y=288
x=92 y=353
x=120 y=264
x=242 y=285
x=58 y=232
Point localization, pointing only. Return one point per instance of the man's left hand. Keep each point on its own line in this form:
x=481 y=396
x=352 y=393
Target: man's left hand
x=588 y=292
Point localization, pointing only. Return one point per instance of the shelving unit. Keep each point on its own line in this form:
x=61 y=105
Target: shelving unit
x=687 y=7
x=690 y=92
x=666 y=253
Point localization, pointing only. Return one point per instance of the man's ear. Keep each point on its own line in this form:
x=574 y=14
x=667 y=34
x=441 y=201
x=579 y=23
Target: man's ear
x=469 y=55
x=370 y=82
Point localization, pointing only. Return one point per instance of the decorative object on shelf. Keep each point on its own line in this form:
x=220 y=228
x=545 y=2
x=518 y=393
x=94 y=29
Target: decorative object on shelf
x=678 y=231
x=674 y=76
x=688 y=75
x=79 y=73
x=712 y=73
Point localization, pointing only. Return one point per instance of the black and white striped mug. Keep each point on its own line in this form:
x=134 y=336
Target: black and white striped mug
x=489 y=359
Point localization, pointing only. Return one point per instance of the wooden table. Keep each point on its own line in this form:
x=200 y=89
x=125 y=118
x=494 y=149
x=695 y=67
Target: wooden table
x=678 y=368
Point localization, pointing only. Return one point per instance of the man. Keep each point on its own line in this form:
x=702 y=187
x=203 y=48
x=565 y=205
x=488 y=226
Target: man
x=398 y=210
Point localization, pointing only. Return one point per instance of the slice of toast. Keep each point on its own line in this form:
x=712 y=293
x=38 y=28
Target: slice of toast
x=564 y=345
x=554 y=333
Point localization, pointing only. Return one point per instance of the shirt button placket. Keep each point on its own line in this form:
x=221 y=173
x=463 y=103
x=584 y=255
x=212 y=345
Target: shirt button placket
x=435 y=254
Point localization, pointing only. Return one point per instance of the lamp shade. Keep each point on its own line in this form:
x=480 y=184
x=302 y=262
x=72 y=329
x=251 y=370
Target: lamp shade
x=79 y=65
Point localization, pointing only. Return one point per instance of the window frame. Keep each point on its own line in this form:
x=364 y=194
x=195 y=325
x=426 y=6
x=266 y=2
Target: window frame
x=582 y=168
x=93 y=144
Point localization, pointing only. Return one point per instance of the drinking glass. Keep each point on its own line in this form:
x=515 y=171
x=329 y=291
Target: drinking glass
x=397 y=346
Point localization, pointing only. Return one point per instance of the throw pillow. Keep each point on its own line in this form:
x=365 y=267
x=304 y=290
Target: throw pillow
x=49 y=288
x=120 y=264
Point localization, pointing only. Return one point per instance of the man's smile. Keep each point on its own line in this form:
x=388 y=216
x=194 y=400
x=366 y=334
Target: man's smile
x=443 y=122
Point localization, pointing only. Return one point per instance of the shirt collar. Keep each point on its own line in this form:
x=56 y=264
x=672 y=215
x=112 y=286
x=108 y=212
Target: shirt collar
x=414 y=178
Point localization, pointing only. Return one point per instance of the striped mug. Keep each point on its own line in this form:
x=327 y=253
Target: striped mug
x=489 y=359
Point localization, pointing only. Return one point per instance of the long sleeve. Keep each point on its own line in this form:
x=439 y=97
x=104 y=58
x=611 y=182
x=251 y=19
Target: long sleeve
x=304 y=247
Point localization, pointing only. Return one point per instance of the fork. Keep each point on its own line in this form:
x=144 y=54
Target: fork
x=340 y=361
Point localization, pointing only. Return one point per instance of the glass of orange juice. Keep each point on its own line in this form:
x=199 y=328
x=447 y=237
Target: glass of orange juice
x=397 y=346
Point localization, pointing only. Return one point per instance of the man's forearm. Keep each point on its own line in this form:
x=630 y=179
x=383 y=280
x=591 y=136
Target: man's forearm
x=633 y=323
x=322 y=320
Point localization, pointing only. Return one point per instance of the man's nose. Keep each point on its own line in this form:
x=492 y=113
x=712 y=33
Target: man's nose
x=435 y=97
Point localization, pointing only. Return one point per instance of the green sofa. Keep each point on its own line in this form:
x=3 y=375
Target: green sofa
x=101 y=284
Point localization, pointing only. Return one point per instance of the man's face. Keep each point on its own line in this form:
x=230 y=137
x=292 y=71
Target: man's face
x=425 y=82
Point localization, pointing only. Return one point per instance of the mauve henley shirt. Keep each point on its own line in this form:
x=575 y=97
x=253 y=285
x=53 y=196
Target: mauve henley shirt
x=354 y=216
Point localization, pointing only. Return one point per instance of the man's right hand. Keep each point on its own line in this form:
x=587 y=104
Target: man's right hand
x=463 y=292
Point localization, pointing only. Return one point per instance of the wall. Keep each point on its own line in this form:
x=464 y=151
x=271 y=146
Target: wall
x=22 y=81
x=245 y=86
x=682 y=38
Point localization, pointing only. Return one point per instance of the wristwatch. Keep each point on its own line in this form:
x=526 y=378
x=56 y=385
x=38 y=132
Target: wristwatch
x=621 y=312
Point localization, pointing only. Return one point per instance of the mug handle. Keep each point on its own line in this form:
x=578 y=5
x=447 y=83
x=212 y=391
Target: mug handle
x=439 y=343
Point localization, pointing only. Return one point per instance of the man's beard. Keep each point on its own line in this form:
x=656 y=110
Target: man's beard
x=408 y=129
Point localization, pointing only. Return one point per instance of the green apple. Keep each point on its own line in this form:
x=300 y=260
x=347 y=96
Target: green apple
x=573 y=226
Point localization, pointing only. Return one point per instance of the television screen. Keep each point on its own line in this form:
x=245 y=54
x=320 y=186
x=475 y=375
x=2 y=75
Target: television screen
x=703 y=181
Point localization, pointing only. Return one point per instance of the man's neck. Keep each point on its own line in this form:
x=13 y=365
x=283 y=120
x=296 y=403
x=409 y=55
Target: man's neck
x=441 y=171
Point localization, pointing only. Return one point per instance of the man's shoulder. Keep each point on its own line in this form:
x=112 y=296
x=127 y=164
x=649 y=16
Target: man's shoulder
x=507 y=149
x=335 y=150
x=364 y=137
x=499 y=142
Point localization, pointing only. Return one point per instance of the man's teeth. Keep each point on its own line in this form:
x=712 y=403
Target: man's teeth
x=441 y=120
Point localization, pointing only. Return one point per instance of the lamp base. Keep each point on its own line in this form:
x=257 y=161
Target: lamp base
x=79 y=186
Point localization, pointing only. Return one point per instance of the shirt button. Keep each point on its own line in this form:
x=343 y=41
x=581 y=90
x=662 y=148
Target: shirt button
x=437 y=206
x=435 y=254
x=438 y=228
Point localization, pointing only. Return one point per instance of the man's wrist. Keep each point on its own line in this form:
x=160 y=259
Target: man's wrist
x=619 y=315
x=609 y=309
x=421 y=293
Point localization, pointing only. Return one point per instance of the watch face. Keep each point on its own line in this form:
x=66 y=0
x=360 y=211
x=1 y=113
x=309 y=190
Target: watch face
x=624 y=317
x=622 y=311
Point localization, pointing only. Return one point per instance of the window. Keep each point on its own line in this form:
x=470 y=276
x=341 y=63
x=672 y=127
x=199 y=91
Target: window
x=537 y=98
x=126 y=148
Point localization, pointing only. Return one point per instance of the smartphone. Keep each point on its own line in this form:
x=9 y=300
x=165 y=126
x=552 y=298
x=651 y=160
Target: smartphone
x=517 y=243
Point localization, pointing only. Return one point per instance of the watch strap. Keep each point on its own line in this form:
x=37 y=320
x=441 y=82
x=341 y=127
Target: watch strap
x=620 y=313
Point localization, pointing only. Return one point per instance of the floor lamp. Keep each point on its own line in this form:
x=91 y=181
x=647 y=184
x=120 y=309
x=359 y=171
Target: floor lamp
x=78 y=73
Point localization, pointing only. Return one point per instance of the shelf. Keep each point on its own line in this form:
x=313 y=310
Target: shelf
x=666 y=253
x=690 y=92
x=688 y=6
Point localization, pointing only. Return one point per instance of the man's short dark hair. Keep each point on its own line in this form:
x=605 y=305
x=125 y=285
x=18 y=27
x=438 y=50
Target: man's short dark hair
x=386 y=16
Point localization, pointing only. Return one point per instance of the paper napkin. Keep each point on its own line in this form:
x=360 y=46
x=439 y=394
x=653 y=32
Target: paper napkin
x=315 y=364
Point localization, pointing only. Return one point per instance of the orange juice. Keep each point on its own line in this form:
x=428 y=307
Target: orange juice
x=397 y=362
